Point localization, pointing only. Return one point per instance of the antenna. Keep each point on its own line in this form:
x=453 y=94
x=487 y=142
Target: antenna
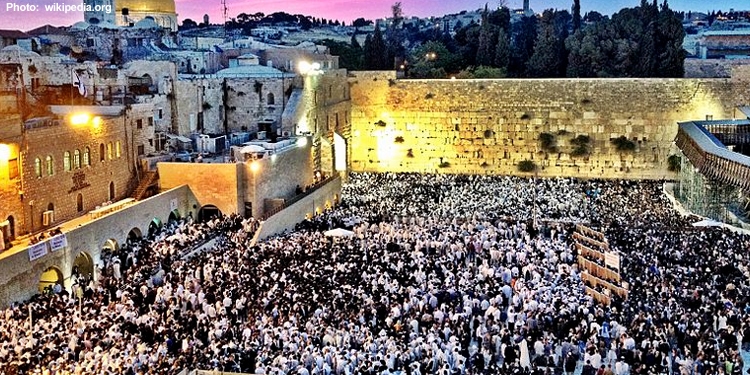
x=224 y=14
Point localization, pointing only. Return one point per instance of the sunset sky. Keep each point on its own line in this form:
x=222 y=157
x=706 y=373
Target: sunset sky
x=342 y=10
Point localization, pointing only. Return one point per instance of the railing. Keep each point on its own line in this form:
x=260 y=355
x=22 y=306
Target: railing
x=299 y=197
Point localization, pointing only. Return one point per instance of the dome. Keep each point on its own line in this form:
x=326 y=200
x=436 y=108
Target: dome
x=145 y=6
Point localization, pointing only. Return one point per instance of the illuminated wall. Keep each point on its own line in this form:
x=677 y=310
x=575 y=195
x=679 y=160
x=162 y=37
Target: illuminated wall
x=489 y=126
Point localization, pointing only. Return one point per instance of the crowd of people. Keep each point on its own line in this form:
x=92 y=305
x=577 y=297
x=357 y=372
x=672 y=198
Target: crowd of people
x=443 y=275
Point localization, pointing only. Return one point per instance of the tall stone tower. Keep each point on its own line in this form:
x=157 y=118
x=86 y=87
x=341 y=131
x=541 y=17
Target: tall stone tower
x=526 y=7
x=98 y=11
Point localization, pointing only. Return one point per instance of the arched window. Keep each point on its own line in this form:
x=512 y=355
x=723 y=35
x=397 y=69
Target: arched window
x=111 y=191
x=77 y=159
x=109 y=150
x=271 y=99
x=38 y=167
x=50 y=165
x=118 y=149
x=66 y=161
x=87 y=156
x=101 y=152
x=79 y=202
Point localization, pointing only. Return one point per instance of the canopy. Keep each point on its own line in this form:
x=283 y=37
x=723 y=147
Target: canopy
x=707 y=223
x=252 y=149
x=339 y=232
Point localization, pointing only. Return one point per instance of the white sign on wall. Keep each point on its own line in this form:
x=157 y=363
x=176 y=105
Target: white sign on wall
x=58 y=242
x=37 y=251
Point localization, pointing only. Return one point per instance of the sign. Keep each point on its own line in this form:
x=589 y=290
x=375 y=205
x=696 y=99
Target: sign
x=79 y=182
x=612 y=259
x=58 y=242
x=173 y=204
x=37 y=251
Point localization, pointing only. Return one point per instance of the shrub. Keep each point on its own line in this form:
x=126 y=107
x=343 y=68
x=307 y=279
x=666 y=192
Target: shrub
x=526 y=166
x=623 y=144
x=399 y=139
x=547 y=140
x=206 y=106
x=525 y=116
x=580 y=150
x=581 y=140
x=444 y=164
x=488 y=133
x=380 y=123
x=429 y=96
x=674 y=163
x=410 y=153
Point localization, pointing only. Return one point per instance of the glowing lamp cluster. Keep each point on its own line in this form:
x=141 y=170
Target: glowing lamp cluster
x=4 y=152
x=308 y=68
x=80 y=119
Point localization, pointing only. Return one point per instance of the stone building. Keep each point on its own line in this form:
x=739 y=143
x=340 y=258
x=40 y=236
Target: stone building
x=724 y=44
x=130 y=12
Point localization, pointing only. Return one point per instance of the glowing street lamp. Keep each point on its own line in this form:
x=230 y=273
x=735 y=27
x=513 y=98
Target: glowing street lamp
x=80 y=119
x=4 y=152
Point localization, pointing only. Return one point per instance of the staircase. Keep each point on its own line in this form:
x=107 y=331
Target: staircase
x=149 y=181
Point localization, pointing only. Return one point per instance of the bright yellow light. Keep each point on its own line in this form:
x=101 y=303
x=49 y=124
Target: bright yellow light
x=97 y=122
x=80 y=118
x=316 y=66
x=255 y=166
x=304 y=67
x=302 y=142
x=4 y=152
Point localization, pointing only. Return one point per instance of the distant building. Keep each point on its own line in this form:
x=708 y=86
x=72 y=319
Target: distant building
x=130 y=12
x=725 y=44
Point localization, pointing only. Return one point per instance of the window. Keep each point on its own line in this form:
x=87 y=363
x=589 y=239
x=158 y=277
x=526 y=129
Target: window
x=50 y=165
x=101 y=152
x=109 y=150
x=118 y=149
x=150 y=121
x=271 y=99
x=90 y=42
x=79 y=202
x=77 y=159
x=66 y=161
x=161 y=113
x=13 y=169
x=87 y=156
x=139 y=124
x=151 y=142
x=38 y=167
x=111 y=191
x=141 y=150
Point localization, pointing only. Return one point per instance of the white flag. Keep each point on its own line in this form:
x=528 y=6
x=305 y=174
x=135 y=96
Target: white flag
x=79 y=83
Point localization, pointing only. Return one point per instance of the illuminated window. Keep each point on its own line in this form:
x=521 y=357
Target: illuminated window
x=50 y=165
x=77 y=159
x=66 y=161
x=38 y=167
x=87 y=156
x=109 y=150
x=118 y=149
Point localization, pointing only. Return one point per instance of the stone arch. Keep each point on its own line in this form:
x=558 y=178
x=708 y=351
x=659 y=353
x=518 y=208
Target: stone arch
x=134 y=235
x=270 y=99
x=47 y=280
x=83 y=266
x=111 y=245
x=174 y=216
x=207 y=212
x=154 y=227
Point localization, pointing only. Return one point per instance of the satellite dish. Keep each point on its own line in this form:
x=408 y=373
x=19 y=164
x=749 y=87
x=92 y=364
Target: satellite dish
x=77 y=49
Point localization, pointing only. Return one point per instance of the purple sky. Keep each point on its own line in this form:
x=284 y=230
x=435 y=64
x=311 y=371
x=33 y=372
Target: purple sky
x=343 y=10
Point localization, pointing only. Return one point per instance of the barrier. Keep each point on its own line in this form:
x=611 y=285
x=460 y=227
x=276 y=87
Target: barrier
x=600 y=267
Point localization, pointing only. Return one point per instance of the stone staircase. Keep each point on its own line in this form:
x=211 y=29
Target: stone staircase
x=147 y=186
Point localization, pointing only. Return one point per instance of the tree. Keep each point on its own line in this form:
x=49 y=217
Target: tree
x=544 y=62
x=671 y=55
x=522 y=45
x=361 y=22
x=375 y=52
x=188 y=24
x=502 y=50
x=487 y=42
x=395 y=36
x=576 y=15
x=440 y=63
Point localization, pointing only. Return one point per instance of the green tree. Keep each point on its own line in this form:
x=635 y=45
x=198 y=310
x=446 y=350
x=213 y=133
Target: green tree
x=502 y=50
x=487 y=41
x=576 y=15
x=394 y=38
x=522 y=45
x=375 y=52
x=671 y=55
x=544 y=61
x=440 y=63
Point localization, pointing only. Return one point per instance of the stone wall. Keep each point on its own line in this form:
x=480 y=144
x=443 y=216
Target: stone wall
x=19 y=277
x=213 y=184
x=489 y=126
x=284 y=221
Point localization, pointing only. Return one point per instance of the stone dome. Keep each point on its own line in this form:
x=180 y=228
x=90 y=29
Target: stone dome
x=145 y=6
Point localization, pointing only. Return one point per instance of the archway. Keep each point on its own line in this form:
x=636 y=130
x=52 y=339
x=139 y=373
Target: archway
x=111 y=246
x=339 y=146
x=154 y=227
x=173 y=216
x=208 y=212
x=79 y=202
x=83 y=267
x=12 y=227
x=134 y=235
x=49 y=278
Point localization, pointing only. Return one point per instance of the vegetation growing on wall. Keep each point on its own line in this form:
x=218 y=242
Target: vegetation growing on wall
x=547 y=142
x=526 y=166
x=623 y=144
x=581 y=145
x=674 y=163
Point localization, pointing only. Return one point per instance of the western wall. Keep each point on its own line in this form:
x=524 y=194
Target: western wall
x=490 y=126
